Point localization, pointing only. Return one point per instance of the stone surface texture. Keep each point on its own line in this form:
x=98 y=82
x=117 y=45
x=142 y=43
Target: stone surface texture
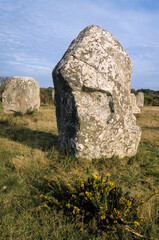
x=92 y=98
x=135 y=108
x=21 y=94
x=140 y=99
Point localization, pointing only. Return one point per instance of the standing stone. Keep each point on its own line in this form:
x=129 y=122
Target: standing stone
x=21 y=94
x=140 y=99
x=92 y=98
x=53 y=94
x=135 y=108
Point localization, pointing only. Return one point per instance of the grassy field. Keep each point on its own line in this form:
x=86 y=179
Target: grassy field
x=29 y=159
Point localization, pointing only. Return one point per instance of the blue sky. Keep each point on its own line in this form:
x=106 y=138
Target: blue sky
x=34 y=35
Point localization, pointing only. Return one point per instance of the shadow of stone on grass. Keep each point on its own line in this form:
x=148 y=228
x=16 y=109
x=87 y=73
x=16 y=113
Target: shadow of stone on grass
x=32 y=138
x=151 y=128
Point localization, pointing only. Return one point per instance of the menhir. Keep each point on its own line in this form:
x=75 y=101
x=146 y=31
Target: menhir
x=92 y=98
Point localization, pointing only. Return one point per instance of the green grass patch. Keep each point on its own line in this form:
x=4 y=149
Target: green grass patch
x=47 y=106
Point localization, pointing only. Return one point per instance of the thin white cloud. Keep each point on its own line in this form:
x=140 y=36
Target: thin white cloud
x=30 y=67
x=25 y=61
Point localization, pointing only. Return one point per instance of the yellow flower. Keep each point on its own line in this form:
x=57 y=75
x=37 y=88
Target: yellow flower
x=142 y=219
x=68 y=205
x=76 y=210
x=129 y=203
x=87 y=194
x=111 y=184
x=136 y=223
x=156 y=192
x=127 y=210
x=95 y=176
x=45 y=205
x=81 y=194
x=107 y=175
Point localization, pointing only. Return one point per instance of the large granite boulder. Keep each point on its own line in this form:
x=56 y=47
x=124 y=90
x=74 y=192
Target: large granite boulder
x=92 y=98
x=140 y=99
x=135 y=108
x=21 y=94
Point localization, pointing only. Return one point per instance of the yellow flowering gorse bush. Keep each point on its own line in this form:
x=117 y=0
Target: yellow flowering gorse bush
x=94 y=197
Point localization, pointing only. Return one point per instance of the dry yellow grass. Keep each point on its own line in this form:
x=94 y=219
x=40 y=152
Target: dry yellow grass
x=148 y=120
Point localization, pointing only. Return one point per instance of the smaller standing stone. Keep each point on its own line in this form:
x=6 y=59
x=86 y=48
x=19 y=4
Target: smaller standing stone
x=140 y=99
x=21 y=94
x=135 y=108
x=53 y=94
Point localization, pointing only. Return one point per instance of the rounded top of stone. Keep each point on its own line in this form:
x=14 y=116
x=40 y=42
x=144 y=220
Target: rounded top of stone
x=99 y=31
x=22 y=82
x=23 y=78
x=140 y=93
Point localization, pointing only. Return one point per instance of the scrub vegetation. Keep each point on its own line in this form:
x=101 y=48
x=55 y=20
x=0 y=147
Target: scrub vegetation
x=45 y=195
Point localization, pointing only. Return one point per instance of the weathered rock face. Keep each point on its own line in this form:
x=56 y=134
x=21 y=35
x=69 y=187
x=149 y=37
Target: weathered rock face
x=92 y=98
x=21 y=94
x=135 y=108
x=140 y=99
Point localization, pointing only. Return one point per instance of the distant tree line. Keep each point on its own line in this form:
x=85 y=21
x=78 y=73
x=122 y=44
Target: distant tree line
x=151 y=96
x=3 y=82
x=46 y=96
